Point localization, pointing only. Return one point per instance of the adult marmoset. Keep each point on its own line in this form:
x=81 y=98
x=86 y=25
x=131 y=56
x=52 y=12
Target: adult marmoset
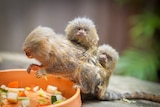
x=59 y=56
x=51 y=50
x=82 y=32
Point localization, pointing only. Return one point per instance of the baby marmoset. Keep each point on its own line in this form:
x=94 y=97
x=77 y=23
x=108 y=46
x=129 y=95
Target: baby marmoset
x=108 y=58
x=82 y=32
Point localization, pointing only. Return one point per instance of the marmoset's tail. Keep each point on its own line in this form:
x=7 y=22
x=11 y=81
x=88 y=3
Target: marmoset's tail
x=110 y=95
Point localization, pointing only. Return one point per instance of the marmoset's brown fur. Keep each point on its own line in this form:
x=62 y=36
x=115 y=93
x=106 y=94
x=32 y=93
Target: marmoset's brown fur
x=59 y=56
x=49 y=49
x=108 y=57
x=82 y=32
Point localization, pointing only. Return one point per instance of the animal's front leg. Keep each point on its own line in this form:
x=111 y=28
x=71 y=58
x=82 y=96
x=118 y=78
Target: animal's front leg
x=33 y=67
x=40 y=70
x=41 y=73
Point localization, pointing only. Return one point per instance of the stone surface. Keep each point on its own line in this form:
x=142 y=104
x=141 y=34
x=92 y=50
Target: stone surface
x=137 y=103
x=117 y=83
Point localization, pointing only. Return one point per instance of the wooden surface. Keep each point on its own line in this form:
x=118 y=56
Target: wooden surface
x=117 y=83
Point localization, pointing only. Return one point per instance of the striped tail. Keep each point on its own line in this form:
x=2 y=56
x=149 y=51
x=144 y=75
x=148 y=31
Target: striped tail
x=111 y=95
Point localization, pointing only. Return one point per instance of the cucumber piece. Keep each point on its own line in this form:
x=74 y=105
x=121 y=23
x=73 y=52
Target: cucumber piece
x=53 y=99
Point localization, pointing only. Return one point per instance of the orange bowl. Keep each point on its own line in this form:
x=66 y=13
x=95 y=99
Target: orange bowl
x=24 y=79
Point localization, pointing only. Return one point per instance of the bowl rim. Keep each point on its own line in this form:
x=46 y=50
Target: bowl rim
x=77 y=92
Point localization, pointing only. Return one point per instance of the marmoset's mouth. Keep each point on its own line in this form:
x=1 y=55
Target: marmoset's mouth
x=28 y=54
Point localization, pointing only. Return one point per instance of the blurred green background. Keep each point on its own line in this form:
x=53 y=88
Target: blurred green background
x=142 y=58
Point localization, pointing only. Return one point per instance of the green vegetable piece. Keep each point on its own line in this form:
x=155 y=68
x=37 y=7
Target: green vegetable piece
x=3 y=90
x=59 y=101
x=53 y=99
x=42 y=101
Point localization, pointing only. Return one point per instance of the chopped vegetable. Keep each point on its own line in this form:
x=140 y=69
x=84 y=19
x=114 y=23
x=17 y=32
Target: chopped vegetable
x=12 y=97
x=14 y=89
x=3 y=95
x=53 y=99
x=59 y=97
x=5 y=102
x=42 y=102
x=59 y=101
x=3 y=86
x=41 y=93
x=22 y=94
x=51 y=89
x=28 y=88
x=36 y=88
x=3 y=90
x=26 y=103
x=13 y=84
x=57 y=92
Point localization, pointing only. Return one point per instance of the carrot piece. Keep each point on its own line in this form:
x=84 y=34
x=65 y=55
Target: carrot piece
x=13 y=84
x=32 y=86
x=22 y=94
